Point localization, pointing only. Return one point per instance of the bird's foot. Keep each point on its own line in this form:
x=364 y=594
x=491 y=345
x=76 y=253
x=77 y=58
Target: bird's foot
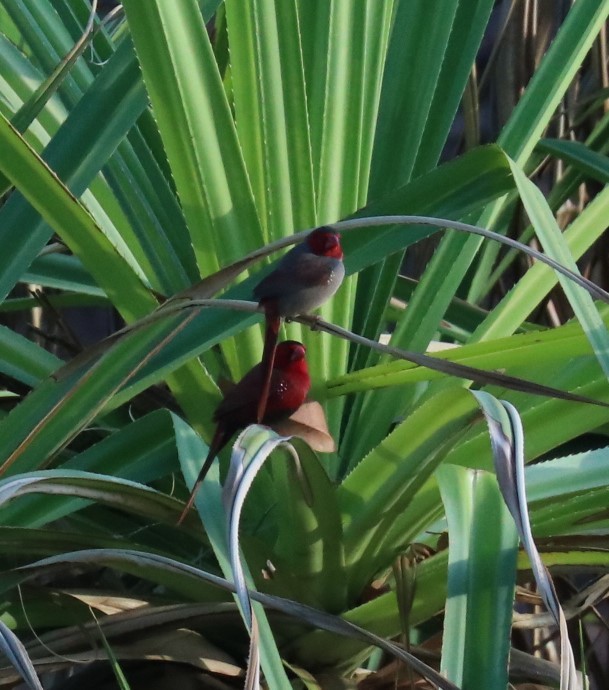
x=314 y=324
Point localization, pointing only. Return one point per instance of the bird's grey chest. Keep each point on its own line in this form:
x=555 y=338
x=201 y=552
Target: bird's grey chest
x=315 y=281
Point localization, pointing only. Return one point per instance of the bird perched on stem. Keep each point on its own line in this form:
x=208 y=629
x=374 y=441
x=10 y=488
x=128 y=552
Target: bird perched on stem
x=289 y=385
x=308 y=275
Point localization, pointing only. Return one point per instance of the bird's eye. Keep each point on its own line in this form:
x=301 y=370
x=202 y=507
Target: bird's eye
x=323 y=241
x=297 y=353
x=331 y=242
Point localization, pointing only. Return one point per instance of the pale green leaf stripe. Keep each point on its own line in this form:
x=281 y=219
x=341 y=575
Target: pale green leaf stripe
x=155 y=229
x=153 y=182
x=272 y=120
x=594 y=559
x=336 y=112
x=64 y=213
x=197 y=129
x=314 y=20
x=198 y=132
x=343 y=47
x=419 y=36
x=271 y=112
x=554 y=245
x=343 y=88
x=374 y=51
x=481 y=578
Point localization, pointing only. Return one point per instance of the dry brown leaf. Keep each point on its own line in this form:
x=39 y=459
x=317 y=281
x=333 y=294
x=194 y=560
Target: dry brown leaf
x=309 y=424
x=182 y=646
x=108 y=604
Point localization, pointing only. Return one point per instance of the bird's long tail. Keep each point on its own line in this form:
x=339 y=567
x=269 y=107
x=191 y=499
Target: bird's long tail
x=271 y=335
x=218 y=442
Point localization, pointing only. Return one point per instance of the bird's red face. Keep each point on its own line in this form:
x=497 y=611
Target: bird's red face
x=325 y=242
x=289 y=352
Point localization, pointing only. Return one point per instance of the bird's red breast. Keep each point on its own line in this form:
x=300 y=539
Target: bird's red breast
x=290 y=384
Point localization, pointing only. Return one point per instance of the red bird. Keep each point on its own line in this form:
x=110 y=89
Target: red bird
x=308 y=275
x=288 y=389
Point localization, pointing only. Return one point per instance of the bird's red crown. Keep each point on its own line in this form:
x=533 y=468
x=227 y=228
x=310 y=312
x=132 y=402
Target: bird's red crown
x=325 y=242
x=289 y=351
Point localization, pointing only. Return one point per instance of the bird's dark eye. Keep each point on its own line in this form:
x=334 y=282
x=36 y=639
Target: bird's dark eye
x=323 y=241
x=297 y=353
x=330 y=242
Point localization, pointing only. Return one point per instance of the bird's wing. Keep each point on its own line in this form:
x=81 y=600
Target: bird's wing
x=294 y=272
x=239 y=405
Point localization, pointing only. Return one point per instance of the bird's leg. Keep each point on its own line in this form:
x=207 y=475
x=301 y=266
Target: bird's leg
x=314 y=323
x=273 y=322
